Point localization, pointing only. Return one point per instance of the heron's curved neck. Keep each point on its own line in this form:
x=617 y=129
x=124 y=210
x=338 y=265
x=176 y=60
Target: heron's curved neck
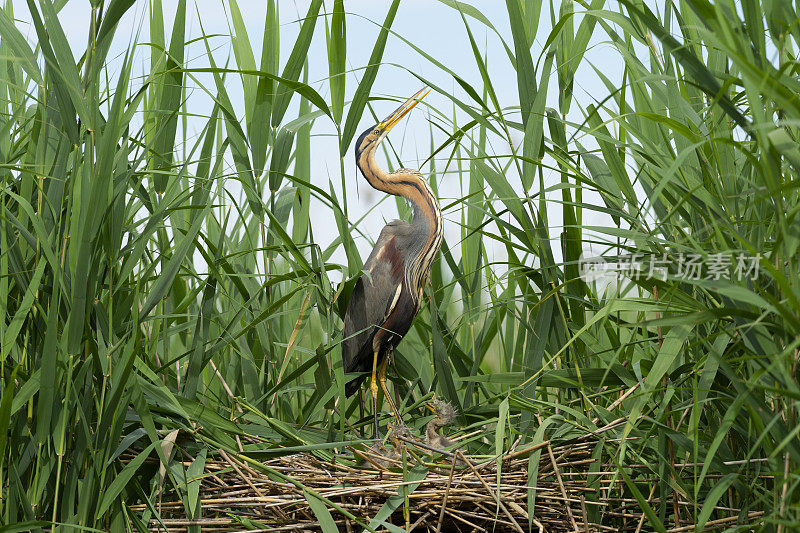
x=408 y=184
x=432 y=428
x=427 y=215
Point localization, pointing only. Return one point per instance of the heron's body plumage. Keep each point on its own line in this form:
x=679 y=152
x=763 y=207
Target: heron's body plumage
x=381 y=307
x=379 y=316
x=388 y=294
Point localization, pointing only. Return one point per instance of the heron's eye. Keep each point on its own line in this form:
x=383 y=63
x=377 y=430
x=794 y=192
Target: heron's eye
x=377 y=131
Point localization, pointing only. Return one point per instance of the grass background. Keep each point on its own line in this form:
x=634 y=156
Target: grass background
x=145 y=300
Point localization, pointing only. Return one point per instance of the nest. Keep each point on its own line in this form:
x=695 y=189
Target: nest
x=453 y=493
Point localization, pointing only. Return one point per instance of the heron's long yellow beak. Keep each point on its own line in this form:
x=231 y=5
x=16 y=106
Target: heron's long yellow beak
x=390 y=121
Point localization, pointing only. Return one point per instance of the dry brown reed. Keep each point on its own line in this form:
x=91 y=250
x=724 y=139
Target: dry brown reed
x=459 y=493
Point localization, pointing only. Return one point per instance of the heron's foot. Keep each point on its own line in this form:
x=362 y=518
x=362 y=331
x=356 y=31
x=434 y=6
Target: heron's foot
x=394 y=429
x=376 y=435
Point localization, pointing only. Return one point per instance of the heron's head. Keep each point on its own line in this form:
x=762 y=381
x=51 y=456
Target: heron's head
x=372 y=136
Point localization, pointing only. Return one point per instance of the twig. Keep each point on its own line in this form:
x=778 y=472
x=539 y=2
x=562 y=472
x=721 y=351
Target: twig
x=461 y=519
x=420 y=520
x=785 y=487
x=618 y=401
x=429 y=448
x=225 y=385
x=527 y=449
x=718 y=522
x=446 y=494
x=644 y=516
x=561 y=486
x=489 y=489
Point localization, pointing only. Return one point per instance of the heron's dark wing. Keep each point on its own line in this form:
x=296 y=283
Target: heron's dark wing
x=375 y=295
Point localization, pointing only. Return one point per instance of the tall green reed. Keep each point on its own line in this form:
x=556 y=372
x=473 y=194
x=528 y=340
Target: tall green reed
x=118 y=343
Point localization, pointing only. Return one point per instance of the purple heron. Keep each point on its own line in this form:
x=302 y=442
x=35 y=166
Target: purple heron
x=387 y=296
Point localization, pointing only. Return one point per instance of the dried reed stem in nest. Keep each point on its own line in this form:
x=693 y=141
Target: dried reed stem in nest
x=453 y=496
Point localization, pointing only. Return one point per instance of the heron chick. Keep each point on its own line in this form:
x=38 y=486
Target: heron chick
x=390 y=457
x=445 y=415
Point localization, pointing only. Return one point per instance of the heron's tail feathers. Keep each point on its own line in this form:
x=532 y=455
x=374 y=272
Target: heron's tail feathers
x=352 y=386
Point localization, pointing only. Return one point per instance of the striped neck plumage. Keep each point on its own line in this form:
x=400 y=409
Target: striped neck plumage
x=427 y=214
x=403 y=182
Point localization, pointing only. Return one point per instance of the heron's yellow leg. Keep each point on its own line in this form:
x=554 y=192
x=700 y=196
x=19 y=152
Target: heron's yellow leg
x=382 y=379
x=373 y=386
